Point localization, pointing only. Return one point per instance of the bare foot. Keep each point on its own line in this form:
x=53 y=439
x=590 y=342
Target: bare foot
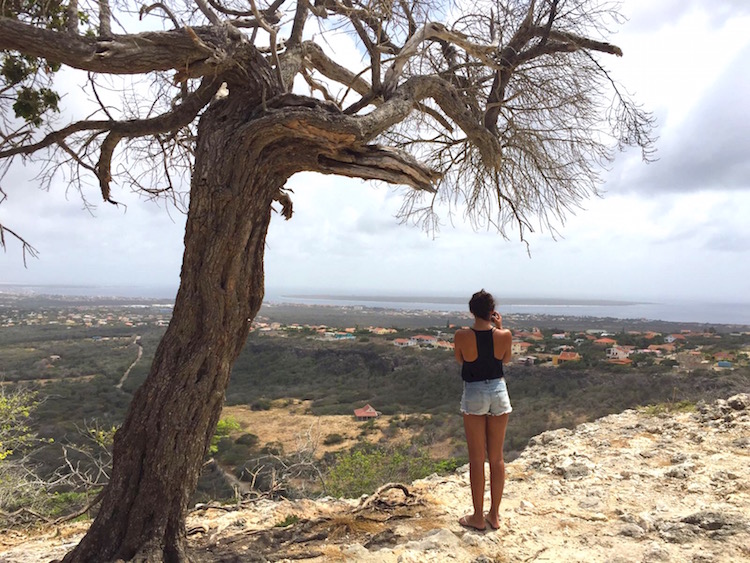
x=493 y=521
x=473 y=522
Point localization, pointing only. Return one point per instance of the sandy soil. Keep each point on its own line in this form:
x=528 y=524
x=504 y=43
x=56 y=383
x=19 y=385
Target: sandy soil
x=290 y=423
x=293 y=426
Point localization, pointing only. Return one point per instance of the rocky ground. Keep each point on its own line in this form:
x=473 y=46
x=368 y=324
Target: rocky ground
x=631 y=487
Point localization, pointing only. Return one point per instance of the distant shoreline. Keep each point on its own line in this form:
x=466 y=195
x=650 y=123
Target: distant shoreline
x=348 y=315
x=564 y=309
x=463 y=301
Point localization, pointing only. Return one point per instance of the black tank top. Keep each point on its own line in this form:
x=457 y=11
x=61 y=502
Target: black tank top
x=486 y=366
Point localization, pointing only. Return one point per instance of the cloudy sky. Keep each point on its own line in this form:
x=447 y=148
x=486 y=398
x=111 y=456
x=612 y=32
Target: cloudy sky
x=676 y=229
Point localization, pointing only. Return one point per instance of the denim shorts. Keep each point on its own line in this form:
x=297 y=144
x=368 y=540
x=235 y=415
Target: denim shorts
x=486 y=397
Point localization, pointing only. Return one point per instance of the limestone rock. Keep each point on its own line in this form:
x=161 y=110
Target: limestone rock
x=739 y=402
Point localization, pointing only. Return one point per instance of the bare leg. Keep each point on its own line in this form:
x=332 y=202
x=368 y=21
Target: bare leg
x=496 y=426
x=475 y=427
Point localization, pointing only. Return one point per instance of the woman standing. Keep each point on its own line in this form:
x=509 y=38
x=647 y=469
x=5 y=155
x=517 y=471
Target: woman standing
x=482 y=350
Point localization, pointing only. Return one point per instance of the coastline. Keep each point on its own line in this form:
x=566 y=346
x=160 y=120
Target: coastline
x=404 y=311
x=461 y=301
x=352 y=316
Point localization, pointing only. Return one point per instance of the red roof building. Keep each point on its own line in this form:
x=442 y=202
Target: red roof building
x=366 y=413
x=566 y=357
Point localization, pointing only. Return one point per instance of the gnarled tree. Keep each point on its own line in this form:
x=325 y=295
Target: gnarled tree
x=504 y=107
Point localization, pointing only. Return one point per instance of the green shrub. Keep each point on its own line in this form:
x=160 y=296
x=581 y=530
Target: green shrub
x=669 y=407
x=333 y=439
x=273 y=448
x=288 y=521
x=261 y=405
x=364 y=470
x=225 y=427
x=250 y=440
x=64 y=503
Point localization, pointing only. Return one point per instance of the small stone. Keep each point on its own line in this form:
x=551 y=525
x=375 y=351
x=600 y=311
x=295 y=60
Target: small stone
x=656 y=553
x=643 y=520
x=710 y=520
x=739 y=402
x=555 y=488
x=525 y=507
x=384 y=538
x=589 y=503
x=677 y=458
x=632 y=531
x=597 y=517
x=575 y=470
x=676 y=533
x=435 y=540
x=680 y=472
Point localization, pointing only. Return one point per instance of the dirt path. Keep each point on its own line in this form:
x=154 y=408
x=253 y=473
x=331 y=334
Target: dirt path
x=137 y=342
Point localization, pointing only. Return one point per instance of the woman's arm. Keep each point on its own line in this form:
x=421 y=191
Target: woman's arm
x=458 y=339
x=503 y=338
x=506 y=340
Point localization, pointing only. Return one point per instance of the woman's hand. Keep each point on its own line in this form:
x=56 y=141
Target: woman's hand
x=497 y=319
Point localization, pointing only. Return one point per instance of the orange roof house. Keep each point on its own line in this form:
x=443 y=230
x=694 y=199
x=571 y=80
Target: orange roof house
x=669 y=348
x=566 y=357
x=424 y=338
x=519 y=348
x=723 y=356
x=366 y=413
x=605 y=342
x=525 y=334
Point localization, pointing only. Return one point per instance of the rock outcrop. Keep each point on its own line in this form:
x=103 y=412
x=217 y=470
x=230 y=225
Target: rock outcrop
x=631 y=487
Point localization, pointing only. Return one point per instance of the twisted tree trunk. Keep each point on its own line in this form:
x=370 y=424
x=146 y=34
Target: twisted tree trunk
x=248 y=145
x=160 y=448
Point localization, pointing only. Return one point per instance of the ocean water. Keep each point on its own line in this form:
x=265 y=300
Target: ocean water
x=675 y=311
x=140 y=292
x=685 y=311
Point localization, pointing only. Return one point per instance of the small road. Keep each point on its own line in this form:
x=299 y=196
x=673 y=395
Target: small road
x=137 y=342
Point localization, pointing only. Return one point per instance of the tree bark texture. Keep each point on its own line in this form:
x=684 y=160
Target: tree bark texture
x=160 y=448
x=249 y=144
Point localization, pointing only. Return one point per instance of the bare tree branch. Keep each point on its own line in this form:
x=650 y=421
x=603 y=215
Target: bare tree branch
x=26 y=248
x=56 y=136
x=181 y=116
x=298 y=26
x=105 y=20
x=71 y=13
x=331 y=69
x=208 y=12
x=445 y=95
x=272 y=33
x=380 y=163
x=145 y=10
x=122 y=54
x=229 y=11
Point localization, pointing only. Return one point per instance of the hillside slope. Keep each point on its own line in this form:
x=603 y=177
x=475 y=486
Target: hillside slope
x=631 y=487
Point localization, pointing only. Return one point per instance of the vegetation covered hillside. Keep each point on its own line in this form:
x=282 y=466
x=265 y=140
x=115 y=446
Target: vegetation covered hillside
x=83 y=364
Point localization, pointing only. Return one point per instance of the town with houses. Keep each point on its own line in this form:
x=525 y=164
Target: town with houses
x=683 y=349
